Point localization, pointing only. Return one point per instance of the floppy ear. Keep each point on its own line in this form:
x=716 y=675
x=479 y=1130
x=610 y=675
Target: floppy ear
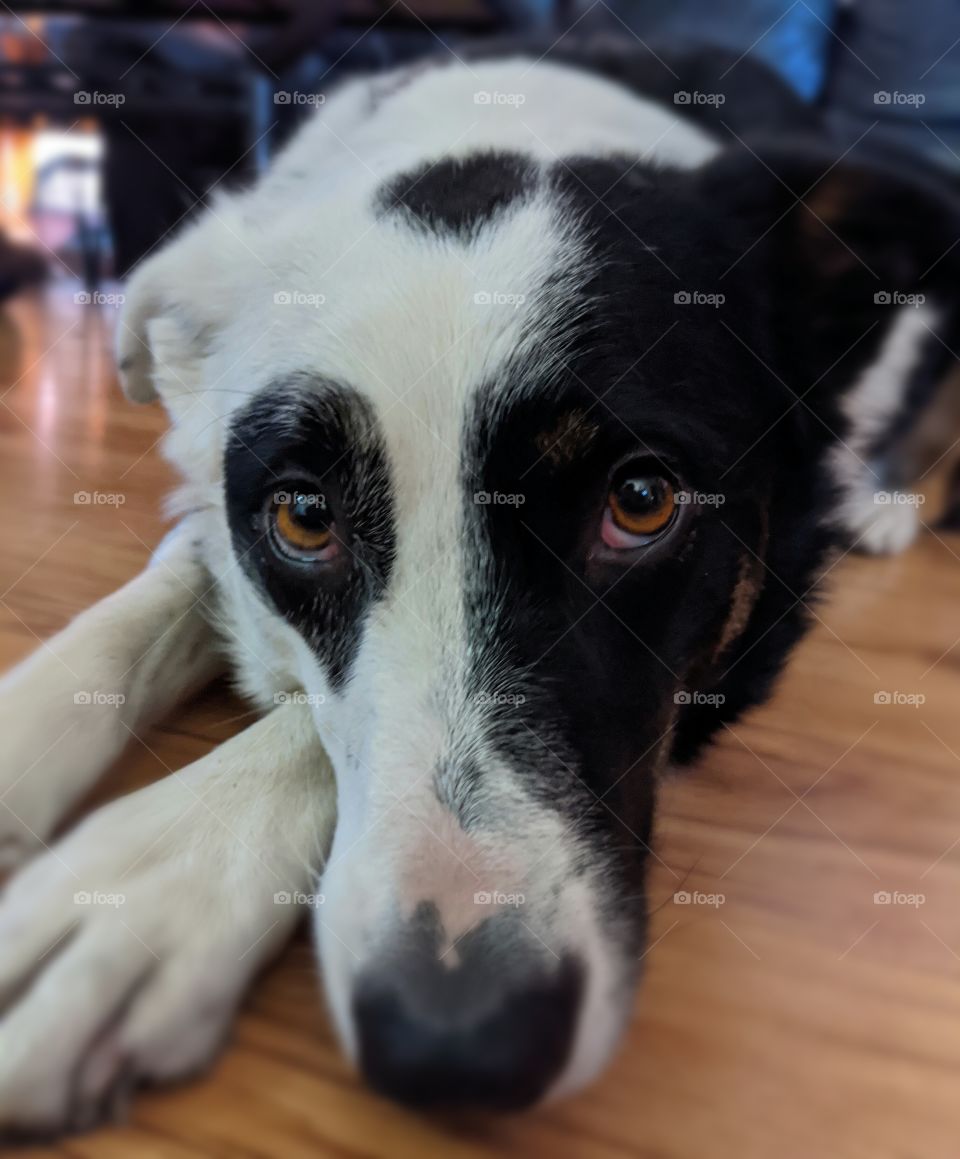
x=173 y=302
x=859 y=268
x=176 y=304
x=845 y=249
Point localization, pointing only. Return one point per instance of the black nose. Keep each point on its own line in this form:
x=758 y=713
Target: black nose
x=439 y=1052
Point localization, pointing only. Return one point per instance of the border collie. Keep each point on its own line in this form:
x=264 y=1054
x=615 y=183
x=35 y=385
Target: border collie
x=518 y=409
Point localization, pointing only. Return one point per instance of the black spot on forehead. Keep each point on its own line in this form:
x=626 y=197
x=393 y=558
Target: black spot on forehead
x=311 y=430
x=459 y=194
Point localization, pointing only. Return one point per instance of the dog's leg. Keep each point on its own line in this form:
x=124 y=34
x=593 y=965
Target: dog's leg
x=127 y=947
x=67 y=711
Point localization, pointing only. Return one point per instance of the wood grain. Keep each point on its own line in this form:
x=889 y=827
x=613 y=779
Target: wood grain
x=796 y=1018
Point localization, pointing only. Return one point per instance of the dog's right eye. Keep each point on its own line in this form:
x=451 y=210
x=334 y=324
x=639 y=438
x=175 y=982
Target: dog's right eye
x=301 y=525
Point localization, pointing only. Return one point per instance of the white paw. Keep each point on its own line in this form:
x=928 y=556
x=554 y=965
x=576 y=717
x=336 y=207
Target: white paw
x=57 y=738
x=883 y=523
x=126 y=949
x=29 y=806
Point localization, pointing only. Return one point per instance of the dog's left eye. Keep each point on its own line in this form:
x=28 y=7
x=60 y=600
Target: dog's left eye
x=301 y=525
x=641 y=506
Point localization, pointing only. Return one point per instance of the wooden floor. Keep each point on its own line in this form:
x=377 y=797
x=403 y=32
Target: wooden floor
x=797 y=1018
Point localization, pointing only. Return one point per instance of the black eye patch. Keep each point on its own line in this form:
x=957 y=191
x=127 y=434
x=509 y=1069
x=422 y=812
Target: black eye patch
x=320 y=437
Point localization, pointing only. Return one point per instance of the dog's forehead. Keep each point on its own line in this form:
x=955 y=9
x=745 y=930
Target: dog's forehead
x=455 y=277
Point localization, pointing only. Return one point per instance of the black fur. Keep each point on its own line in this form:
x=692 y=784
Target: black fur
x=459 y=195
x=299 y=432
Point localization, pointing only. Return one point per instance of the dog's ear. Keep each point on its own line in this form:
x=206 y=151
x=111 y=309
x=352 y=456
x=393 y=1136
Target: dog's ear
x=839 y=245
x=859 y=268
x=172 y=304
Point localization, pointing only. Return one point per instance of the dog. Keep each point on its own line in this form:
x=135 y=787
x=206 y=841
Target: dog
x=519 y=408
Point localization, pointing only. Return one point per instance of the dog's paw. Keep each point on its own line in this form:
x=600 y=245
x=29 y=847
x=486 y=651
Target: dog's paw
x=125 y=951
x=27 y=817
x=51 y=738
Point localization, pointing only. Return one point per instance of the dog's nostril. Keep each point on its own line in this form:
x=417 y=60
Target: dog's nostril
x=506 y=1059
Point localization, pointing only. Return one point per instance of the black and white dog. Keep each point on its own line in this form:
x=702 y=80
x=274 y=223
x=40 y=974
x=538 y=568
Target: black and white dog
x=517 y=410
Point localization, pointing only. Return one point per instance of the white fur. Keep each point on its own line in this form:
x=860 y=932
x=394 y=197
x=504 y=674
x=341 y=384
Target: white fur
x=142 y=981
x=128 y=661
x=874 y=525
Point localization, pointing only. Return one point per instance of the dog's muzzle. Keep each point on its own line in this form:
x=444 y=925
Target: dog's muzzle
x=490 y=1023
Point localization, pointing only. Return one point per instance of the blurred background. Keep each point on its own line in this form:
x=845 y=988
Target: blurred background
x=118 y=119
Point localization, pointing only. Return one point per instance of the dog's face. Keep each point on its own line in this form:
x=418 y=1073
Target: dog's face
x=524 y=513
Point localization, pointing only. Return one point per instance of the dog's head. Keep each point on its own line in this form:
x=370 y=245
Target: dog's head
x=522 y=472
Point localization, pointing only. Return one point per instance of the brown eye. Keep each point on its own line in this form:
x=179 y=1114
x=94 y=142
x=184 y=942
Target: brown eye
x=302 y=525
x=639 y=506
